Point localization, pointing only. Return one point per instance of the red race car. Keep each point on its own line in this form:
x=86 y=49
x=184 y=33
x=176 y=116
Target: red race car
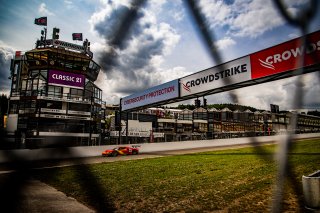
x=121 y=150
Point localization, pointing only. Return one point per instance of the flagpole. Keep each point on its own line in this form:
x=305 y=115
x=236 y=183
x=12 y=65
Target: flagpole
x=42 y=21
x=45 y=36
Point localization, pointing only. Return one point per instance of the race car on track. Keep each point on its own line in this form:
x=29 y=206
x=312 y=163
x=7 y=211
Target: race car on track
x=121 y=150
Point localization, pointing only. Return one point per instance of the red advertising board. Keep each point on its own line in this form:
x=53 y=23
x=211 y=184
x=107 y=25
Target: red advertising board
x=285 y=57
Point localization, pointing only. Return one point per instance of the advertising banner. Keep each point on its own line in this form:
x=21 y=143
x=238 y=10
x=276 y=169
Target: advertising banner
x=137 y=134
x=156 y=94
x=236 y=71
x=67 y=45
x=67 y=79
x=284 y=57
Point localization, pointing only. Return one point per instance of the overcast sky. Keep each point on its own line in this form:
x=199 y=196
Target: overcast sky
x=162 y=45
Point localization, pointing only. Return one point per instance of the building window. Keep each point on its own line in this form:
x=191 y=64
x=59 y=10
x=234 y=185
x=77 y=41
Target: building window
x=53 y=105
x=76 y=93
x=54 y=91
x=79 y=107
x=13 y=108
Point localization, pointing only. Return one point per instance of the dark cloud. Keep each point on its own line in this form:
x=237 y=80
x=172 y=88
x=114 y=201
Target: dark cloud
x=5 y=60
x=110 y=60
x=132 y=57
x=106 y=28
x=141 y=58
x=116 y=26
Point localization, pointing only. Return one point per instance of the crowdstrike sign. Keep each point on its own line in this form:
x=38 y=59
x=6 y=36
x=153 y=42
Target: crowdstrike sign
x=232 y=72
x=156 y=94
x=284 y=57
x=67 y=79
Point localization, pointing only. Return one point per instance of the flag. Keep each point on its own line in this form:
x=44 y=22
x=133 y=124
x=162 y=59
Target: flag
x=41 y=21
x=77 y=36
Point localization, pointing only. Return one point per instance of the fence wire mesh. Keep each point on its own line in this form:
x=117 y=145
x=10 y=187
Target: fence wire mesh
x=285 y=171
x=301 y=21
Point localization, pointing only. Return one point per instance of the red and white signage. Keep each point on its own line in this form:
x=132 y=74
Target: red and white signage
x=233 y=72
x=281 y=58
x=285 y=57
x=274 y=60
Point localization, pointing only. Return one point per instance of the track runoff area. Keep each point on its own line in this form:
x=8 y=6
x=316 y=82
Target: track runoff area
x=274 y=63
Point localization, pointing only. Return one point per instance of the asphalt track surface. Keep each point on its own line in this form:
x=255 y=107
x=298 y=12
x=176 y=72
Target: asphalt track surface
x=9 y=168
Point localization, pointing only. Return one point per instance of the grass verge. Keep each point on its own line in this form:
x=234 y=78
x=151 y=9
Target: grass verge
x=235 y=180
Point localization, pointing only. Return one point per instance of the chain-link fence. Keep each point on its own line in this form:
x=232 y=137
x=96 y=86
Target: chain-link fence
x=301 y=21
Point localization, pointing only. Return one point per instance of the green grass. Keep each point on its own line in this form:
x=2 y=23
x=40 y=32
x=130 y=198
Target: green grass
x=234 y=180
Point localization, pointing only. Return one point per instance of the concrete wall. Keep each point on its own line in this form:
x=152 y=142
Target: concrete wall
x=91 y=151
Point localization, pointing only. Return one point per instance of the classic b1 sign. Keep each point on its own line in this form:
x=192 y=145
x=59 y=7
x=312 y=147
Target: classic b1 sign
x=67 y=79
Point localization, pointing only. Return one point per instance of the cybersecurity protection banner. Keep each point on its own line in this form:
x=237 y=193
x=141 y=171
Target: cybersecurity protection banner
x=229 y=73
x=156 y=94
x=67 y=79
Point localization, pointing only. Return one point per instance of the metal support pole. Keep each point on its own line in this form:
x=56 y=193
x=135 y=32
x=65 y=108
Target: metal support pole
x=45 y=37
x=127 y=125
x=120 y=109
x=90 y=121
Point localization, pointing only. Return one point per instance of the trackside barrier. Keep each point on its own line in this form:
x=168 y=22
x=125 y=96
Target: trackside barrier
x=311 y=190
x=85 y=151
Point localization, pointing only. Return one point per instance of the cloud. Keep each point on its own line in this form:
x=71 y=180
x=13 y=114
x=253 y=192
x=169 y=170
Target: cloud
x=117 y=87
x=293 y=35
x=6 y=54
x=245 y=18
x=311 y=90
x=225 y=43
x=133 y=65
x=178 y=15
x=69 y=4
x=281 y=92
x=256 y=18
x=217 y=12
x=44 y=11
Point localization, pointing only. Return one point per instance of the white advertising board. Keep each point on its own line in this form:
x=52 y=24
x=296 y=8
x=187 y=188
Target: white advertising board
x=236 y=71
x=137 y=134
x=156 y=94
